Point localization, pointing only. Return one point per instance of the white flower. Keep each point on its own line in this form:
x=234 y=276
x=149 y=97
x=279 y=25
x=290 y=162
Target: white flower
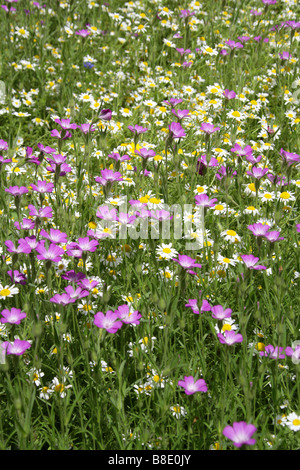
x=8 y=291
x=293 y=421
x=165 y=251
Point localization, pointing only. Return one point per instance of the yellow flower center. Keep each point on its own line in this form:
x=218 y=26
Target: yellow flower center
x=226 y=327
x=296 y=422
x=285 y=195
x=231 y=233
x=4 y=292
x=167 y=250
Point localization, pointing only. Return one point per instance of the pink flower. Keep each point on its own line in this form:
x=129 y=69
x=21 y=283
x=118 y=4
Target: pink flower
x=187 y=263
x=204 y=201
x=193 y=304
x=62 y=299
x=191 y=386
x=109 y=322
x=13 y=316
x=127 y=316
x=53 y=253
x=176 y=131
x=229 y=94
x=250 y=261
x=240 y=433
x=259 y=230
x=208 y=128
x=230 y=337
x=17 y=348
x=219 y=313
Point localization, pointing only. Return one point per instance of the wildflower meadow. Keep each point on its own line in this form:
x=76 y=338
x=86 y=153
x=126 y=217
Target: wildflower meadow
x=149 y=225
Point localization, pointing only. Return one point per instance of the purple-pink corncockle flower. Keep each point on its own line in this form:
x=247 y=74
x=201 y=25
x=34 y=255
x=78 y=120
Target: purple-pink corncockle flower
x=180 y=113
x=83 y=33
x=273 y=236
x=161 y=214
x=53 y=253
x=107 y=214
x=230 y=337
x=88 y=284
x=292 y=24
x=137 y=129
x=298 y=228
x=285 y=55
x=55 y=236
x=240 y=433
x=66 y=124
x=57 y=158
x=269 y=2
x=77 y=292
x=193 y=304
x=256 y=12
x=293 y=352
x=42 y=187
x=183 y=51
x=110 y=322
x=244 y=39
x=17 y=277
x=259 y=230
x=16 y=191
x=289 y=157
x=208 y=128
x=4 y=161
x=22 y=247
x=43 y=212
x=204 y=201
x=13 y=316
x=3 y=145
x=31 y=241
x=62 y=299
x=173 y=101
x=108 y=177
x=61 y=134
x=64 y=168
x=186 y=13
x=273 y=353
x=26 y=224
x=17 y=348
x=187 y=64
x=127 y=316
x=48 y=150
x=229 y=94
x=203 y=160
x=242 y=152
x=125 y=219
x=87 y=127
x=176 y=131
x=72 y=276
x=146 y=153
x=234 y=45
x=254 y=160
x=219 y=313
x=105 y=114
x=257 y=172
x=250 y=261
x=186 y=262
x=83 y=245
x=118 y=158
x=191 y=386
